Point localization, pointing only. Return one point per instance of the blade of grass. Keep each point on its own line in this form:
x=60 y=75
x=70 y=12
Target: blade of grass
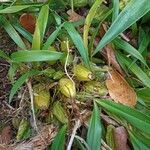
x=14 y=9
x=36 y=42
x=88 y=21
x=52 y=37
x=137 y=143
x=134 y=117
x=129 y=49
x=91 y=44
x=23 y=31
x=77 y=40
x=143 y=45
x=134 y=10
x=59 y=141
x=21 y=81
x=94 y=130
x=37 y=55
x=12 y=33
x=134 y=68
x=115 y=9
x=42 y=20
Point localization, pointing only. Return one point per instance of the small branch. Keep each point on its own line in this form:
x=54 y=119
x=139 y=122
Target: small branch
x=32 y=104
x=77 y=125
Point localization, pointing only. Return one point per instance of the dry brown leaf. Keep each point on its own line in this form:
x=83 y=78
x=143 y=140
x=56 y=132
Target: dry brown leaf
x=28 y=21
x=119 y=90
x=120 y=136
x=108 y=51
x=73 y=16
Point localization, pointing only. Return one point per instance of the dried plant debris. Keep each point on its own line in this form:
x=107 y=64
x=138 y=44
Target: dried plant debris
x=119 y=90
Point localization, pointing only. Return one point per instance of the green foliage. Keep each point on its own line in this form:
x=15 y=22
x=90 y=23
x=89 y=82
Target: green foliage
x=94 y=130
x=131 y=13
x=59 y=140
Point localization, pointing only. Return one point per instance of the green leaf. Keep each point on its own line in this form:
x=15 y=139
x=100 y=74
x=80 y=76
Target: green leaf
x=52 y=37
x=77 y=40
x=20 y=82
x=59 y=141
x=14 y=9
x=143 y=45
x=12 y=33
x=137 y=143
x=94 y=131
x=129 y=49
x=134 y=10
x=144 y=94
x=134 y=68
x=42 y=20
x=131 y=115
x=37 y=55
x=88 y=21
x=115 y=9
x=3 y=55
x=36 y=42
x=23 y=31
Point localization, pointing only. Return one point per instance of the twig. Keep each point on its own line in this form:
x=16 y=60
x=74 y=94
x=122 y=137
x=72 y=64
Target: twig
x=65 y=67
x=32 y=104
x=77 y=125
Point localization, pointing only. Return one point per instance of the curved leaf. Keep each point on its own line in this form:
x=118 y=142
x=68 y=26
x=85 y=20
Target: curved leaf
x=133 y=116
x=129 y=49
x=134 y=68
x=131 y=13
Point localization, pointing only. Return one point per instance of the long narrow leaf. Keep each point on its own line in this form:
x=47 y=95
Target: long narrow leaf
x=134 y=117
x=88 y=21
x=137 y=143
x=23 y=31
x=14 y=9
x=94 y=131
x=59 y=141
x=42 y=20
x=115 y=9
x=129 y=49
x=12 y=33
x=36 y=42
x=20 y=82
x=52 y=37
x=37 y=55
x=135 y=69
x=134 y=10
x=77 y=40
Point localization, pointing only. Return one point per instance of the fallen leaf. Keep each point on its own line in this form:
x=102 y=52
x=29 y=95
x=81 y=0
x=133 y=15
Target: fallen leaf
x=28 y=21
x=73 y=16
x=120 y=136
x=108 y=51
x=119 y=90
x=6 y=135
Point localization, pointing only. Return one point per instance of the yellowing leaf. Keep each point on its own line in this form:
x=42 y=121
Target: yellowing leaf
x=119 y=90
